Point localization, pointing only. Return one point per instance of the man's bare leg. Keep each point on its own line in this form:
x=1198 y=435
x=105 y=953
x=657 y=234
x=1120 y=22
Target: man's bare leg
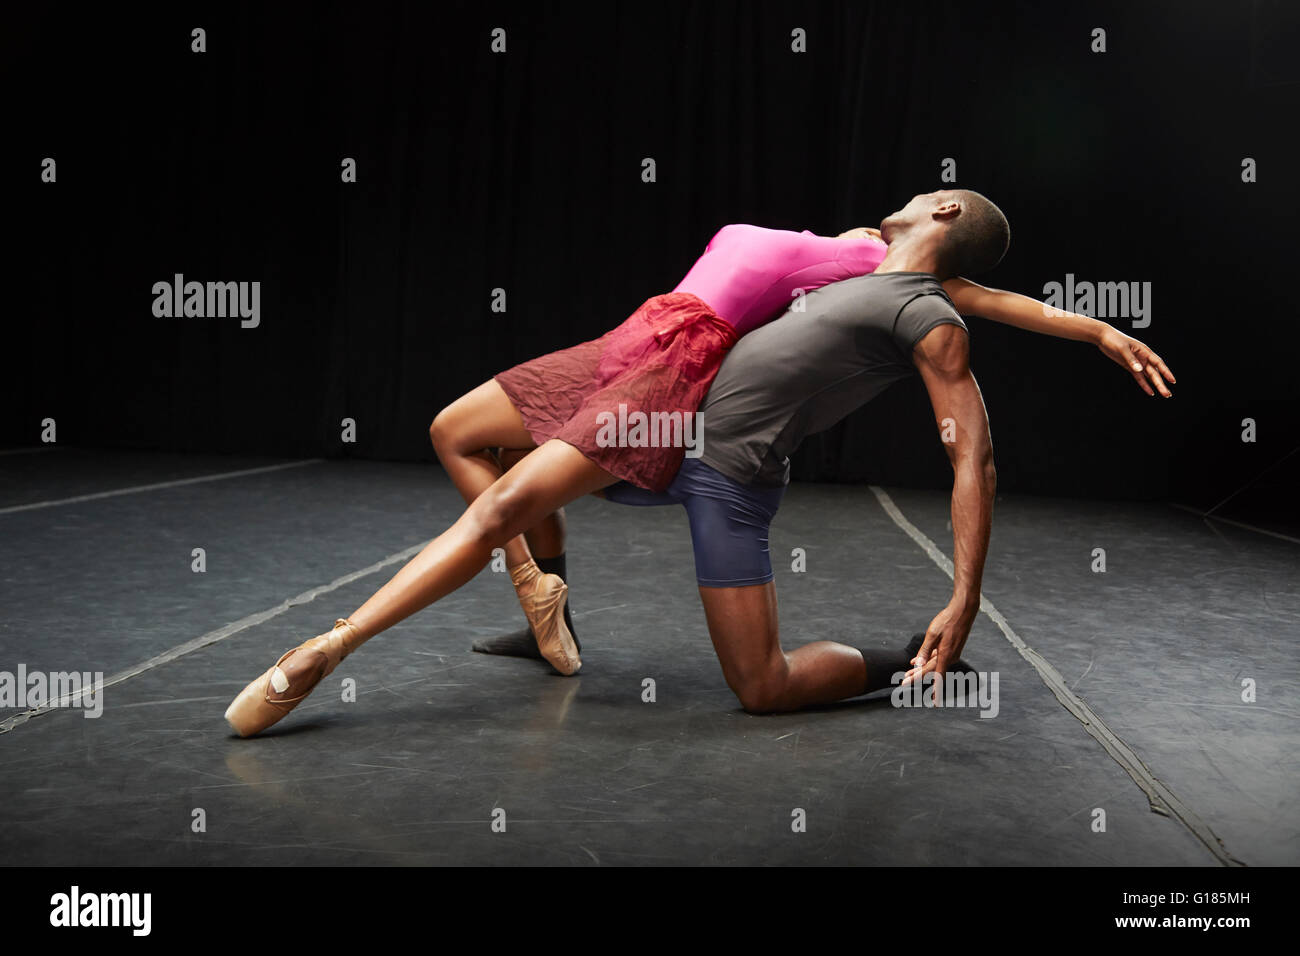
x=743 y=625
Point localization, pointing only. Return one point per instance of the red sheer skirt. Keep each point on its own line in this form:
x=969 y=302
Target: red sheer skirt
x=660 y=361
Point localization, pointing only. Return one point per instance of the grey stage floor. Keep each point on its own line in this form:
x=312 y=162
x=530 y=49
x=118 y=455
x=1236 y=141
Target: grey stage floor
x=585 y=771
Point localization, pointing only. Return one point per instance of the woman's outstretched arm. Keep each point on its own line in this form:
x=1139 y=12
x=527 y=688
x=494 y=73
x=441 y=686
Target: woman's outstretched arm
x=1147 y=368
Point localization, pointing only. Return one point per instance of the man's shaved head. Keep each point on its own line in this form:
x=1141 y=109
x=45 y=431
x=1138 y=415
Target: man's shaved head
x=978 y=238
x=966 y=232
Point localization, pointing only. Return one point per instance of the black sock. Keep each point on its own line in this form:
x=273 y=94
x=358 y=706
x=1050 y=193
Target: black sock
x=521 y=643
x=883 y=664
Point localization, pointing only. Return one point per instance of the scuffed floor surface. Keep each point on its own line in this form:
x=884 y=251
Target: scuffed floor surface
x=446 y=756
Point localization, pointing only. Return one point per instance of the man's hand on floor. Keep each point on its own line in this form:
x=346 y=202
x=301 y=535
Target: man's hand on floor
x=944 y=640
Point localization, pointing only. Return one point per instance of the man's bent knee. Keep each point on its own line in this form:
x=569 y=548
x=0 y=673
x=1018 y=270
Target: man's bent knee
x=761 y=695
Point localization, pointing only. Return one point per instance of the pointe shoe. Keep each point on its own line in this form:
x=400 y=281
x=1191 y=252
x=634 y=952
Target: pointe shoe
x=271 y=696
x=542 y=597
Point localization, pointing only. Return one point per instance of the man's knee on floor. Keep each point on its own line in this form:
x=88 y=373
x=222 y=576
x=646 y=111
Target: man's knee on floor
x=760 y=691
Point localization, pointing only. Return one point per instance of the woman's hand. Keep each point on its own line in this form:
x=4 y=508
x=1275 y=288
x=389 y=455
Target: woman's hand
x=1141 y=362
x=861 y=232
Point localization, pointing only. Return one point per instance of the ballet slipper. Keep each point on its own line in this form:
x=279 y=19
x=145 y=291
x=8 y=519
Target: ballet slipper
x=542 y=597
x=267 y=699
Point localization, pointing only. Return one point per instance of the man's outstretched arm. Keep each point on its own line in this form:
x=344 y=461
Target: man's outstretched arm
x=943 y=357
x=1010 y=308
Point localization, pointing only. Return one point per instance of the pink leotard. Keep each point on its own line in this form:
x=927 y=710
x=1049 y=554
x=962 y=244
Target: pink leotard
x=749 y=275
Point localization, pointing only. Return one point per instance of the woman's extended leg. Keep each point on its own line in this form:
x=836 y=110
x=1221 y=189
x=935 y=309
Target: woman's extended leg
x=548 y=478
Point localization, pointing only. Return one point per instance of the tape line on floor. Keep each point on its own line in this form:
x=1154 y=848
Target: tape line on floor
x=212 y=637
x=156 y=486
x=1162 y=800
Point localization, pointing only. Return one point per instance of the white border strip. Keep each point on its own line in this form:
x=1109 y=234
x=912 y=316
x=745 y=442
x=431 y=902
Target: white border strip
x=1161 y=798
x=212 y=637
x=136 y=489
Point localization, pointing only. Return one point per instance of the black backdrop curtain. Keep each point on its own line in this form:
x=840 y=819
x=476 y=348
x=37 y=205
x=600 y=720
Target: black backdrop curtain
x=522 y=171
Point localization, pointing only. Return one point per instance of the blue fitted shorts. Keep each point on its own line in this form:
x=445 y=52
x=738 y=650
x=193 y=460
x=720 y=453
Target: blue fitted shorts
x=729 y=522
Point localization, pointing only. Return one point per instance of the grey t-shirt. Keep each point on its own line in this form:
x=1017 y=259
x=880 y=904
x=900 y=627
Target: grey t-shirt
x=803 y=372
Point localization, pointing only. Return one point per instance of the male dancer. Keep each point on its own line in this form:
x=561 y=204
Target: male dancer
x=802 y=373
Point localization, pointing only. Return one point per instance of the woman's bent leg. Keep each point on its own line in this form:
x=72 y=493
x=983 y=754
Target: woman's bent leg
x=546 y=543
x=546 y=539
x=463 y=435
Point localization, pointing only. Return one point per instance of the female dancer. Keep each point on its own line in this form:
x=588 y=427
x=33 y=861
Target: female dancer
x=662 y=359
